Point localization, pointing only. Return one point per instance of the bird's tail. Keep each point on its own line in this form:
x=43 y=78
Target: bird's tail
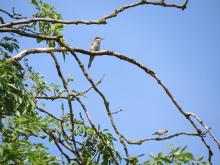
x=90 y=61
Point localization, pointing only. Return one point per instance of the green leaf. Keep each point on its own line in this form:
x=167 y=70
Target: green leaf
x=200 y=158
x=183 y=149
x=64 y=56
x=47 y=6
x=166 y=160
x=34 y=2
x=1 y=151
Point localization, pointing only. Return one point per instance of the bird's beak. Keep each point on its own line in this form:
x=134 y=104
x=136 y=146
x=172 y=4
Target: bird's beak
x=102 y=38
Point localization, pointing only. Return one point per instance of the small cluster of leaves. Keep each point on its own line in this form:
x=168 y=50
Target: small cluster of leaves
x=93 y=148
x=16 y=146
x=47 y=11
x=25 y=152
x=177 y=156
x=39 y=87
x=13 y=95
x=30 y=125
x=8 y=45
x=36 y=84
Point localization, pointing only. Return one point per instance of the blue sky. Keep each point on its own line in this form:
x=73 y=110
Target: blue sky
x=182 y=47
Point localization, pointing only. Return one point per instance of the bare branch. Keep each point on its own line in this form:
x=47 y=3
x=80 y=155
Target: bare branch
x=206 y=127
x=116 y=112
x=67 y=22
x=97 y=132
x=57 y=141
x=102 y=20
x=14 y=15
x=31 y=35
x=145 y=2
x=139 y=142
x=48 y=113
x=69 y=103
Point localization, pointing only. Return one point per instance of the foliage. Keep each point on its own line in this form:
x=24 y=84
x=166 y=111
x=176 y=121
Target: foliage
x=176 y=156
x=47 y=11
x=16 y=143
x=8 y=44
x=13 y=95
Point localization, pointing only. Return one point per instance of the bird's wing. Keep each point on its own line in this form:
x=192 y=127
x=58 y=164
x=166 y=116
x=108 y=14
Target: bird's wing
x=155 y=133
x=92 y=45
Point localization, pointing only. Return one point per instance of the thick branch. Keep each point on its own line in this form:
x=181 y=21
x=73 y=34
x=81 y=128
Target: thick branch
x=31 y=35
x=102 y=20
x=145 y=2
x=76 y=22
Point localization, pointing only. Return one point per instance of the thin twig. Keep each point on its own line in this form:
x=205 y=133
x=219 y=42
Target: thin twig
x=31 y=35
x=97 y=132
x=82 y=93
x=206 y=127
x=48 y=113
x=139 y=142
x=58 y=146
x=116 y=112
x=69 y=103
x=14 y=15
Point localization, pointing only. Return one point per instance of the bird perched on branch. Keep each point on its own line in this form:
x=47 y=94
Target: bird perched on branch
x=95 y=46
x=160 y=132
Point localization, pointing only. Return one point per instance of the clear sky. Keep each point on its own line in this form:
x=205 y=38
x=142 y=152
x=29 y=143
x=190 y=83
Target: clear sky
x=182 y=47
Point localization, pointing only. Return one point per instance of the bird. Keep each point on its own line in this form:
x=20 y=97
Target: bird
x=95 y=46
x=160 y=132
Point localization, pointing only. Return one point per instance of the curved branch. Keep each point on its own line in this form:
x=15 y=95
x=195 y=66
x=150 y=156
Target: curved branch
x=139 y=142
x=102 y=20
x=145 y=2
x=14 y=15
x=206 y=127
x=31 y=35
x=67 y=22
